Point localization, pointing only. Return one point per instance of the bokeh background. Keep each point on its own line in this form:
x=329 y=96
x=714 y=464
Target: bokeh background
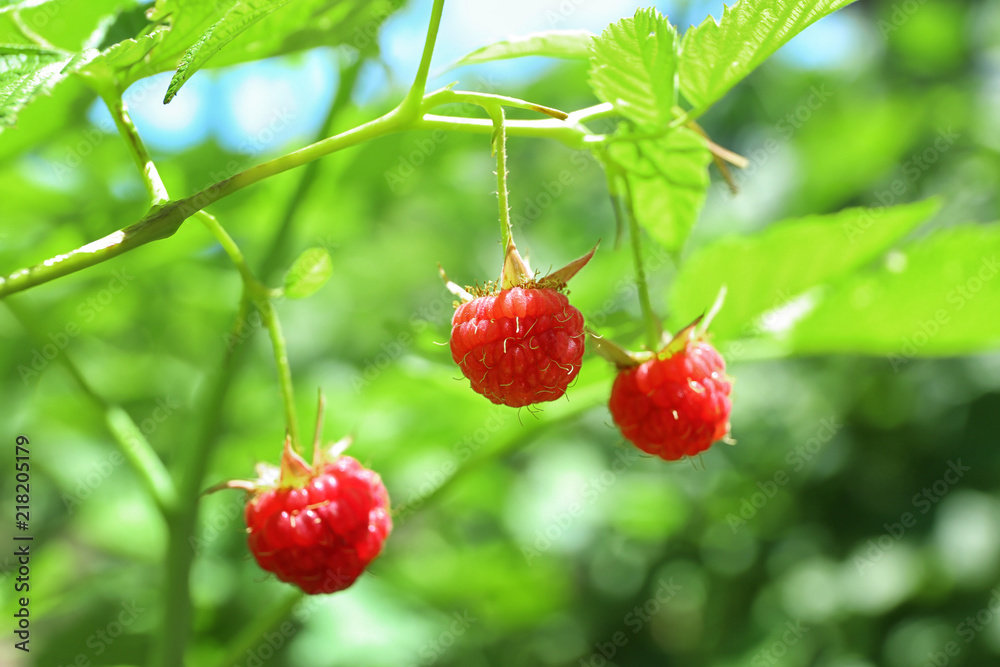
x=855 y=524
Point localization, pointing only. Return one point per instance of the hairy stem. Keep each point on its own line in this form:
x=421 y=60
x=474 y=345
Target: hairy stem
x=654 y=331
x=503 y=196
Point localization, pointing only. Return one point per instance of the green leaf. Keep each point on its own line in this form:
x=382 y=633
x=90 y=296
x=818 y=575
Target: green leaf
x=27 y=71
x=770 y=270
x=668 y=178
x=571 y=44
x=240 y=16
x=717 y=56
x=38 y=52
x=125 y=61
x=309 y=272
x=936 y=296
x=634 y=67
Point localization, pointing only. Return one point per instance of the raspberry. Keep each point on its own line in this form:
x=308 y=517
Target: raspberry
x=318 y=526
x=520 y=346
x=675 y=406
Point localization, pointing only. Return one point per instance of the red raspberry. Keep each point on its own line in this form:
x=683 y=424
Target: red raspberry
x=674 y=407
x=520 y=346
x=323 y=532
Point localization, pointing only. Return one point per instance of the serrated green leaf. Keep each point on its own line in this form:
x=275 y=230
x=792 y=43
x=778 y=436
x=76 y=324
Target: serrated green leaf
x=770 y=270
x=668 y=178
x=126 y=60
x=27 y=71
x=634 y=67
x=240 y=16
x=936 y=296
x=716 y=56
x=37 y=52
x=309 y=272
x=570 y=44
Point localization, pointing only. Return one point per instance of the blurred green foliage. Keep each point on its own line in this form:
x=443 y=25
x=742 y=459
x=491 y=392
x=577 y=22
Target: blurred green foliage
x=856 y=523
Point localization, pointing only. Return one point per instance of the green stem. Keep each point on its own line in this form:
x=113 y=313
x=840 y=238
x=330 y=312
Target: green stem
x=175 y=627
x=284 y=370
x=410 y=106
x=487 y=101
x=126 y=128
x=164 y=220
x=500 y=148
x=169 y=650
x=654 y=332
x=279 y=244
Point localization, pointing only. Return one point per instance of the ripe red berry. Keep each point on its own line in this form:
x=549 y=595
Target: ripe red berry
x=675 y=406
x=520 y=346
x=322 y=532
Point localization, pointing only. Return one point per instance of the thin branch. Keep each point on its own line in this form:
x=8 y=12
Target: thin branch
x=410 y=106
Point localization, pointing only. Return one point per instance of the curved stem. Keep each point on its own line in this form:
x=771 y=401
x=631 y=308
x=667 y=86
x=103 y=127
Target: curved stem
x=654 y=332
x=410 y=105
x=284 y=370
x=163 y=221
x=137 y=149
x=500 y=149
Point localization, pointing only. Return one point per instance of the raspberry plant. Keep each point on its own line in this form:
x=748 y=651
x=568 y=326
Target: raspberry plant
x=518 y=340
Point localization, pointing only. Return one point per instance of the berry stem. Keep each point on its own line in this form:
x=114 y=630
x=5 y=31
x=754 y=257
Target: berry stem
x=168 y=650
x=499 y=141
x=270 y=318
x=654 y=332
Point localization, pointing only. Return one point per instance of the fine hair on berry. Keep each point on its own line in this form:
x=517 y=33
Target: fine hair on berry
x=675 y=406
x=520 y=346
x=322 y=534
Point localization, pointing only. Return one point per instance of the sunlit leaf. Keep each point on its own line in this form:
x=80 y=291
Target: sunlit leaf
x=569 y=44
x=770 y=270
x=309 y=273
x=634 y=67
x=668 y=178
x=715 y=56
x=937 y=296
